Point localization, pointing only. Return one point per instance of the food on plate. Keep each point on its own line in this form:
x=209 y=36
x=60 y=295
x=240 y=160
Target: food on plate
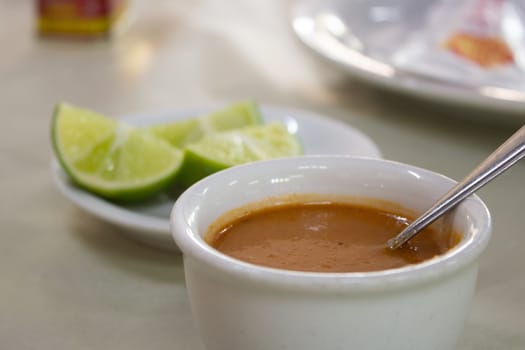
x=221 y=150
x=122 y=162
x=110 y=158
x=237 y=115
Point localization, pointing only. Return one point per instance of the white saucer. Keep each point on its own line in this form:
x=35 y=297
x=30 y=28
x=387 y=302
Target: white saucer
x=360 y=37
x=149 y=221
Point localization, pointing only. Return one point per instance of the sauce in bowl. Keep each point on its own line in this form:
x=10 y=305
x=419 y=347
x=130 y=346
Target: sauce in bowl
x=324 y=236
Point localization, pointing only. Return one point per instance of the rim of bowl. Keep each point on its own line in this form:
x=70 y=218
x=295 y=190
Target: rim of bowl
x=191 y=244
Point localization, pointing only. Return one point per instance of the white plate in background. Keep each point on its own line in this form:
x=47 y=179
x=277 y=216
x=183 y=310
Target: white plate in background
x=361 y=37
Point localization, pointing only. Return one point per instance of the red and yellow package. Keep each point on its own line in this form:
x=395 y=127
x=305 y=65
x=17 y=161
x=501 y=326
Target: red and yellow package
x=479 y=37
x=81 y=18
x=469 y=42
x=486 y=51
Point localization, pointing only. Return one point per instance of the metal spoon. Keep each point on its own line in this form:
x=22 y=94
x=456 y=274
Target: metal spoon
x=500 y=160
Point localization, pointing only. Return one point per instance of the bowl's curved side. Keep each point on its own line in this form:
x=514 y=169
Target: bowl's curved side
x=234 y=314
x=237 y=305
x=409 y=186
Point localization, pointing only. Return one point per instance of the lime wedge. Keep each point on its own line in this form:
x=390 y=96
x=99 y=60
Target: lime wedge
x=234 y=116
x=222 y=150
x=110 y=158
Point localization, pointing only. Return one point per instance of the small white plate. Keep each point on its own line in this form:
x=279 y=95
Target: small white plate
x=361 y=36
x=149 y=221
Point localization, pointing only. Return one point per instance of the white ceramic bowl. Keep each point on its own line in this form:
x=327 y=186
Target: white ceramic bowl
x=237 y=305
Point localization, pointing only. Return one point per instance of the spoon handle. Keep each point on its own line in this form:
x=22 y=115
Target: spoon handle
x=500 y=160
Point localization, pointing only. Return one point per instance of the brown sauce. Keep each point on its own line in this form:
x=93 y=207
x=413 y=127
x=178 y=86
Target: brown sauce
x=324 y=237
